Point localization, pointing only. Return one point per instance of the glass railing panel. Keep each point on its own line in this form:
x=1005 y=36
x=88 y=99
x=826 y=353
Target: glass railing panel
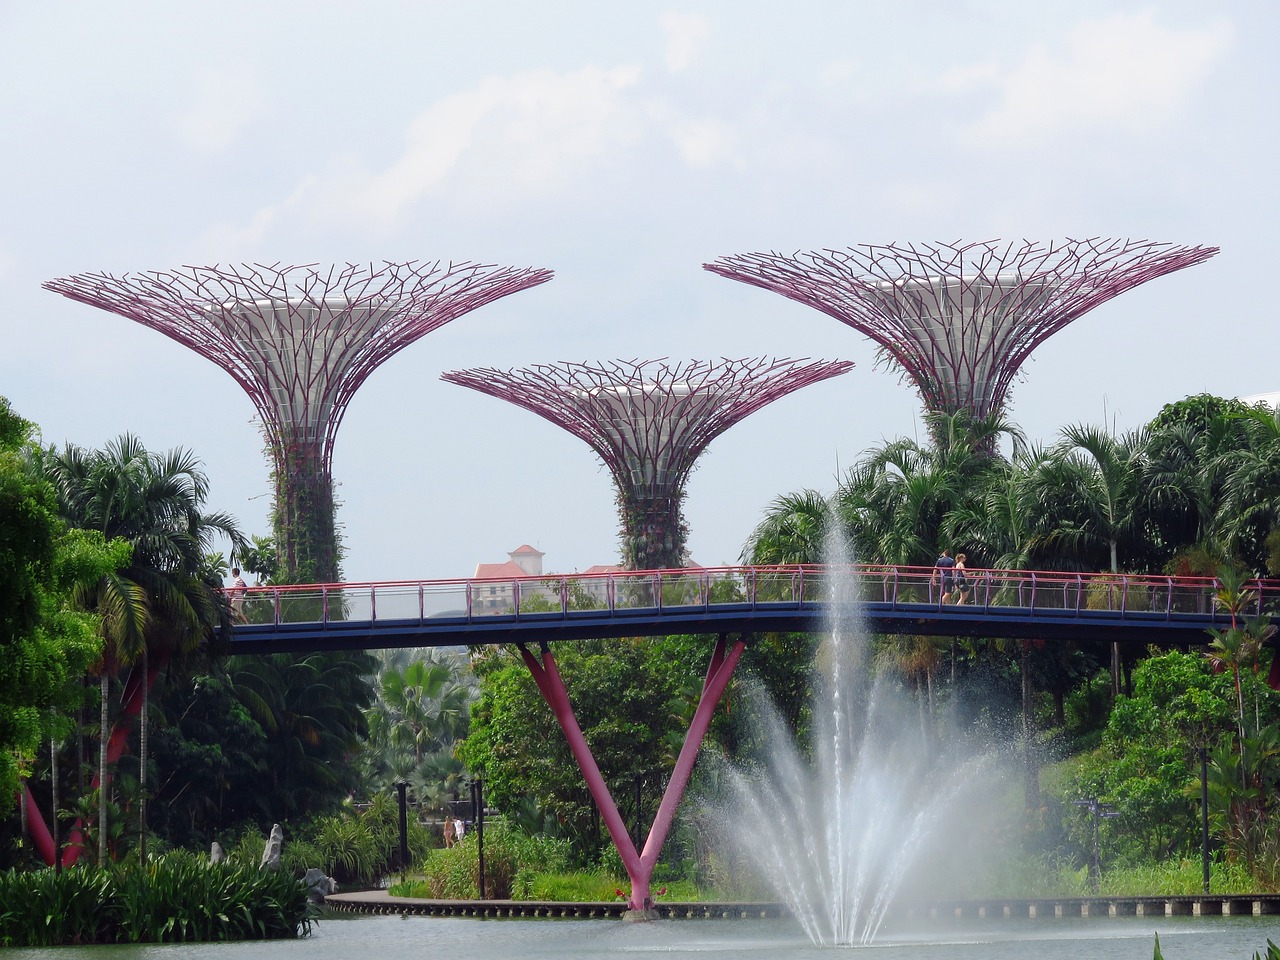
x=396 y=602
x=444 y=600
x=777 y=586
x=259 y=607
x=683 y=590
x=355 y=603
x=1192 y=598
x=303 y=606
x=635 y=593
x=728 y=586
x=493 y=598
x=904 y=585
x=1008 y=589
x=587 y=593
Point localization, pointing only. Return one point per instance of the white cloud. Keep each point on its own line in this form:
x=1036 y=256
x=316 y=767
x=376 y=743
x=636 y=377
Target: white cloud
x=685 y=33
x=525 y=135
x=227 y=100
x=1122 y=70
x=540 y=128
x=704 y=143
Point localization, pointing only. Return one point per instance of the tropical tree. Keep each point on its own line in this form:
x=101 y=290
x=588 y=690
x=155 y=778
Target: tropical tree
x=45 y=641
x=422 y=710
x=1239 y=646
x=165 y=604
x=894 y=504
x=310 y=709
x=794 y=530
x=1092 y=486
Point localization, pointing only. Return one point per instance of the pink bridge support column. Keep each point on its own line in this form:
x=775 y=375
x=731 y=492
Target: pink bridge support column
x=639 y=866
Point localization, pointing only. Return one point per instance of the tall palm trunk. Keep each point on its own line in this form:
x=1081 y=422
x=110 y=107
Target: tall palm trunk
x=53 y=795
x=142 y=758
x=1115 y=645
x=103 y=733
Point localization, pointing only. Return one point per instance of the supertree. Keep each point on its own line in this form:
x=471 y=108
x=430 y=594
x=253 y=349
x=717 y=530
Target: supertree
x=960 y=319
x=649 y=421
x=300 y=340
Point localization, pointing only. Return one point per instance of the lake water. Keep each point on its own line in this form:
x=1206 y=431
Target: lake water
x=392 y=938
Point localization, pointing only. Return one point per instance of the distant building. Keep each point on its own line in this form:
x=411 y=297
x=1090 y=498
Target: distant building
x=522 y=573
x=499 y=596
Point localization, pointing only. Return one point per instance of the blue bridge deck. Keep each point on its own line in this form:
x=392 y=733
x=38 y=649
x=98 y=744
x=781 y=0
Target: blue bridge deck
x=733 y=600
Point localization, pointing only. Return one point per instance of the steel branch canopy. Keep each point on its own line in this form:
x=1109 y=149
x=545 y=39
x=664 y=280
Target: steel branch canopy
x=960 y=319
x=300 y=340
x=649 y=421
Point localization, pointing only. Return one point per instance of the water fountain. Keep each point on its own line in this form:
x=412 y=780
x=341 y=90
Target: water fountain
x=836 y=834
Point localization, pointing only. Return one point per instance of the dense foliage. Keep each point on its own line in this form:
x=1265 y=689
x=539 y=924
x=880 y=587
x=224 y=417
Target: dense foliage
x=45 y=642
x=177 y=898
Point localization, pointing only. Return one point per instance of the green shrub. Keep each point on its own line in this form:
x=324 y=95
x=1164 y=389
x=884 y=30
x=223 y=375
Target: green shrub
x=510 y=860
x=577 y=886
x=170 y=899
x=46 y=909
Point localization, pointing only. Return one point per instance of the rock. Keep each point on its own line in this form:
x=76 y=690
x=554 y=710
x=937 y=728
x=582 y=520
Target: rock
x=216 y=854
x=271 y=852
x=318 y=885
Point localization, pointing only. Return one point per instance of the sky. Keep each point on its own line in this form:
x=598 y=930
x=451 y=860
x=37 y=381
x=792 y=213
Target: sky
x=621 y=146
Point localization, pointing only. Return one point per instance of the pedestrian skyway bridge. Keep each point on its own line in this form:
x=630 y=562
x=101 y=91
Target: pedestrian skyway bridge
x=730 y=604
x=734 y=600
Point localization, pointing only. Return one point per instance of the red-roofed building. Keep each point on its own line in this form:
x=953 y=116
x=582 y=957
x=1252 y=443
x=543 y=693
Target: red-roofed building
x=498 y=597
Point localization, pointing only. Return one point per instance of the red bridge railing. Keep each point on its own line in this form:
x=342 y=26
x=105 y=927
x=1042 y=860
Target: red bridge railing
x=1012 y=592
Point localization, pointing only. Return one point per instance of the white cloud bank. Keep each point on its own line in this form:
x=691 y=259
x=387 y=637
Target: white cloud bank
x=1118 y=71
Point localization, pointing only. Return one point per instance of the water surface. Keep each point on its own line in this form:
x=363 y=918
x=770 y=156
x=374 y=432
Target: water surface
x=393 y=938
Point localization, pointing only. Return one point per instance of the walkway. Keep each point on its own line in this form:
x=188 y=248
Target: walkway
x=731 y=600
x=1233 y=905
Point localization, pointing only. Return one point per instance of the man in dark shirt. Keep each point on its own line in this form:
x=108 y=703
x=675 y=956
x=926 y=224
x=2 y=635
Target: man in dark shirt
x=943 y=567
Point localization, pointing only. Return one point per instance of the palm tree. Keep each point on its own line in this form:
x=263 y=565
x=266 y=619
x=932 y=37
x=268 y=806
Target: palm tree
x=422 y=710
x=311 y=712
x=1239 y=646
x=1093 y=485
x=164 y=603
x=793 y=530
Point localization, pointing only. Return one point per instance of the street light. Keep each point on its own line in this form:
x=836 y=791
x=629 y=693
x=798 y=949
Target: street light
x=1204 y=816
x=401 y=787
x=477 y=817
x=1099 y=812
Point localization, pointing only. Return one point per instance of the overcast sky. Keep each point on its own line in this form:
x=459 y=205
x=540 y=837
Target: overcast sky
x=620 y=145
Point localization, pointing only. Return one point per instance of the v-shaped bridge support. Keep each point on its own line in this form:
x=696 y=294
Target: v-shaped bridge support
x=639 y=864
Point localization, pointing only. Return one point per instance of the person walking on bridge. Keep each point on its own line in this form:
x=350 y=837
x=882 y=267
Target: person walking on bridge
x=943 y=574
x=962 y=584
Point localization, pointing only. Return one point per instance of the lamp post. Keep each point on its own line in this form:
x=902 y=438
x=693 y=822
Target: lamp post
x=1098 y=811
x=401 y=787
x=1204 y=815
x=477 y=817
